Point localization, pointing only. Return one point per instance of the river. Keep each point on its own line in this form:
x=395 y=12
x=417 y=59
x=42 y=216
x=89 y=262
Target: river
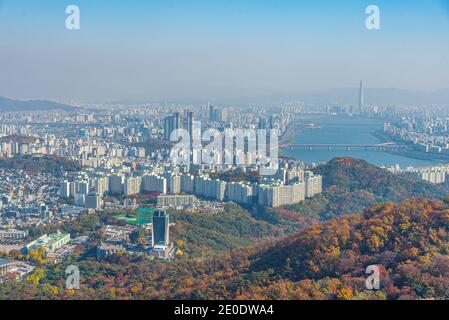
x=344 y=130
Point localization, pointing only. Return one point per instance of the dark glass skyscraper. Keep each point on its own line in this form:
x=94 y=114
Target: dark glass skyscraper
x=211 y=110
x=172 y=123
x=177 y=121
x=160 y=234
x=190 y=119
x=168 y=127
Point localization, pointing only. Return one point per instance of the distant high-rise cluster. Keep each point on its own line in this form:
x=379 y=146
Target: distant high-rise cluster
x=176 y=121
x=216 y=114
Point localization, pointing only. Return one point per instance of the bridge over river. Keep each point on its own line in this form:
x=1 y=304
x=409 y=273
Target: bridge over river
x=347 y=146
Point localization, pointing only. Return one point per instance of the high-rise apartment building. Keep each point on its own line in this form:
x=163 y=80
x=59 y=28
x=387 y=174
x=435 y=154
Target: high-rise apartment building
x=187 y=183
x=239 y=192
x=154 y=183
x=279 y=195
x=206 y=187
x=93 y=201
x=116 y=184
x=313 y=184
x=174 y=183
x=132 y=185
x=64 y=189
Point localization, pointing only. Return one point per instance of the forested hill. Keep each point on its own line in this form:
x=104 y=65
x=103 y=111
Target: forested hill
x=408 y=241
x=350 y=185
x=353 y=174
x=39 y=164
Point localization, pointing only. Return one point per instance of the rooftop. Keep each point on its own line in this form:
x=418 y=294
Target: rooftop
x=55 y=237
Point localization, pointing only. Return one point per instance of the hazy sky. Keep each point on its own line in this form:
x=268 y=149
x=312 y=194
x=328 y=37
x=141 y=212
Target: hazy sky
x=218 y=48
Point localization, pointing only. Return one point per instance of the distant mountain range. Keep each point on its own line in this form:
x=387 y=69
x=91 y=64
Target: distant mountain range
x=349 y=96
x=10 y=105
x=336 y=96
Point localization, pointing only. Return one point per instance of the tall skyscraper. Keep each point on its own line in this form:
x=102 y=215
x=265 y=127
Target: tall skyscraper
x=261 y=124
x=360 y=106
x=190 y=119
x=212 y=112
x=271 y=122
x=172 y=123
x=177 y=121
x=168 y=127
x=160 y=233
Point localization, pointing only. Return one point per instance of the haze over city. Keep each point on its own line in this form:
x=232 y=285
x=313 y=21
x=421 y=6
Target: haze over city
x=217 y=50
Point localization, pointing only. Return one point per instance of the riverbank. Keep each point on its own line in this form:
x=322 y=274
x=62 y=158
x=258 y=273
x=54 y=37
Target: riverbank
x=411 y=152
x=290 y=133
